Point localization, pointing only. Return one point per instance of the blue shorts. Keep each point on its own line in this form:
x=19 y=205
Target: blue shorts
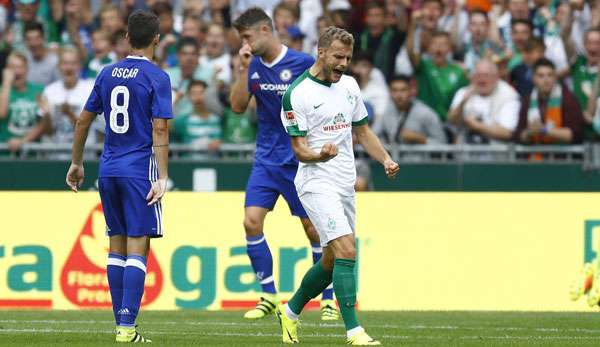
x=125 y=207
x=267 y=182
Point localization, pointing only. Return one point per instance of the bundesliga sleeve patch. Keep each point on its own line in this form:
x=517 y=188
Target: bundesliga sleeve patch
x=291 y=118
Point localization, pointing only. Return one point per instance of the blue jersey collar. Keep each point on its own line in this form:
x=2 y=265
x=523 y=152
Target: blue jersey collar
x=282 y=54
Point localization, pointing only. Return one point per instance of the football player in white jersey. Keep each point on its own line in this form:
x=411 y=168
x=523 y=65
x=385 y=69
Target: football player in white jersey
x=321 y=111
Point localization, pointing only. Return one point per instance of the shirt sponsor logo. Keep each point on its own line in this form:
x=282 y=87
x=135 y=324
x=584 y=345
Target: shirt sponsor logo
x=339 y=123
x=280 y=88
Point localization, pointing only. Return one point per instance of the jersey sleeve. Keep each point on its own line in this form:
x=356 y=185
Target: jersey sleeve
x=94 y=101
x=360 y=116
x=162 y=106
x=293 y=115
x=251 y=71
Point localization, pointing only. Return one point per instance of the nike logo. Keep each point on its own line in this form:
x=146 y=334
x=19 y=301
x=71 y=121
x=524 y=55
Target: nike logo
x=319 y=105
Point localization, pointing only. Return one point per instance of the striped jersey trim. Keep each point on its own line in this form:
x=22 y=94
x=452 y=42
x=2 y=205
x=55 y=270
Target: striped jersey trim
x=153 y=177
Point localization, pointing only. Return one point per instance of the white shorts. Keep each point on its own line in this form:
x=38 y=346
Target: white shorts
x=332 y=214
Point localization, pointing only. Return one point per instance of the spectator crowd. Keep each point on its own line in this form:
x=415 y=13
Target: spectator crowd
x=430 y=71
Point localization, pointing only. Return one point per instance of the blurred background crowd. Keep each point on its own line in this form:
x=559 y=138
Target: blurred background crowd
x=430 y=71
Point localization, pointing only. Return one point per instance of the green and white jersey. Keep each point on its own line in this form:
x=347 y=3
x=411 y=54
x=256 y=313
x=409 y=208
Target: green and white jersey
x=324 y=112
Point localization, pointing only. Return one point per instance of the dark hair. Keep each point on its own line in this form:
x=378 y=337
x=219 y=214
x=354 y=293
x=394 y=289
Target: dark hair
x=196 y=83
x=142 y=28
x=252 y=17
x=439 y=2
x=401 y=78
x=533 y=44
x=363 y=56
x=162 y=8
x=543 y=62
x=333 y=33
x=33 y=26
x=118 y=35
x=440 y=33
x=187 y=41
x=375 y=4
x=478 y=11
x=522 y=21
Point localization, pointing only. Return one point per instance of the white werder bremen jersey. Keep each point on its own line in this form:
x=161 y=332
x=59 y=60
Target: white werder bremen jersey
x=325 y=113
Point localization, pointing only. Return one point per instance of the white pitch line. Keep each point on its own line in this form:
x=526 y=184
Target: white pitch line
x=318 y=325
x=314 y=335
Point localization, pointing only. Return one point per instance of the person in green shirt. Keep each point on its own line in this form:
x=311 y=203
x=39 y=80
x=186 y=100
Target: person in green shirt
x=521 y=32
x=19 y=104
x=584 y=69
x=188 y=55
x=437 y=77
x=201 y=128
x=238 y=128
x=102 y=53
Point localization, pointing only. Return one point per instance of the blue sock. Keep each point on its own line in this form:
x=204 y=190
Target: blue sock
x=262 y=262
x=317 y=252
x=114 y=271
x=133 y=289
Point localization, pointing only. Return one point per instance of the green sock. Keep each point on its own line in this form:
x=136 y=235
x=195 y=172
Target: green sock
x=314 y=282
x=344 y=287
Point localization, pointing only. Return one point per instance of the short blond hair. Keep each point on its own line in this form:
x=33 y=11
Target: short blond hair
x=18 y=55
x=332 y=34
x=67 y=50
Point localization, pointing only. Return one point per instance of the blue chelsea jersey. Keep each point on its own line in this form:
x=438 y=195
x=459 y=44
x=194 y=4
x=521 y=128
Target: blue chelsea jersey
x=130 y=93
x=268 y=83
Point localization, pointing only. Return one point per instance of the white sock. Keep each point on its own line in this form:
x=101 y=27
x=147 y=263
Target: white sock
x=354 y=331
x=289 y=313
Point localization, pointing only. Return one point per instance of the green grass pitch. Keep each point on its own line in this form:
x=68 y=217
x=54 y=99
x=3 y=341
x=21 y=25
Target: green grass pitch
x=400 y=328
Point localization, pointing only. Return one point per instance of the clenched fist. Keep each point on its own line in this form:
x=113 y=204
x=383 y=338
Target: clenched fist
x=328 y=151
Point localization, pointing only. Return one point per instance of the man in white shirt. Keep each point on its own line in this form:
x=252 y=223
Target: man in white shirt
x=42 y=62
x=486 y=111
x=371 y=81
x=321 y=110
x=215 y=56
x=63 y=101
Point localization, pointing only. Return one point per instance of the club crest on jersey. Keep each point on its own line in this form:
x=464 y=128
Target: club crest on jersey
x=350 y=97
x=285 y=75
x=289 y=115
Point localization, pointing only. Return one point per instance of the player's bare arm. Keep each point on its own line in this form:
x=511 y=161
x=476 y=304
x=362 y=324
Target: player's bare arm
x=239 y=96
x=82 y=127
x=373 y=146
x=160 y=144
x=307 y=155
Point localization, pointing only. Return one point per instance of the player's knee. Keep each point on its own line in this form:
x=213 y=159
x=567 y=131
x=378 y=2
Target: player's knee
x=253 y=226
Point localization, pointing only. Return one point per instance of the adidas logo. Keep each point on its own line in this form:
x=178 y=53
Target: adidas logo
x=124 y=311
x=255 y=76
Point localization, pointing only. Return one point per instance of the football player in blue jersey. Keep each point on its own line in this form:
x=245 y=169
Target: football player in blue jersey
x=135 y=97
x=267 y=69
